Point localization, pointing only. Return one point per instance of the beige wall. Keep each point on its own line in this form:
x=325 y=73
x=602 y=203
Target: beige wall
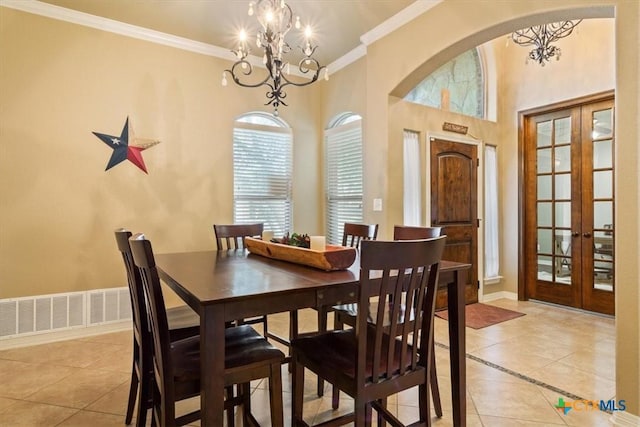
x=59 y=82
x=396 y=63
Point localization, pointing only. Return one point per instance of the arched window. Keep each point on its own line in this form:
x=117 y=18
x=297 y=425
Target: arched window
x=262 y=172
x=457 y=86
x=343 y=174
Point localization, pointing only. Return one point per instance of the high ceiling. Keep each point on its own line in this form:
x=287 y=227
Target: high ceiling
x=337 y=24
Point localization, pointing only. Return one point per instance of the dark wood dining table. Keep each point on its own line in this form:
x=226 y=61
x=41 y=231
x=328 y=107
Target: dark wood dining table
x=228 y=285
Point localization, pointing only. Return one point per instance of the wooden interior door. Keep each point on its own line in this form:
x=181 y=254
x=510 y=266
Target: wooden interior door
x=568 y=205
x=454 y=206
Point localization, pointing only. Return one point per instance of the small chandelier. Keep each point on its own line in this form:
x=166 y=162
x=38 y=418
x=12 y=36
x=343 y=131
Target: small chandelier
x=541 y=36
x=275 y=18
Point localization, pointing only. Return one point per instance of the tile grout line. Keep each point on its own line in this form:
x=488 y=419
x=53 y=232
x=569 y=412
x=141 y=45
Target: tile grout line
x=517 y=374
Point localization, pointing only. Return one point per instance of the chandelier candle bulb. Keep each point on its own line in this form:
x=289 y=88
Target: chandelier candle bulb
x=275 y=18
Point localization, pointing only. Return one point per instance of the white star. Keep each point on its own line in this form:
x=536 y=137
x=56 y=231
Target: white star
x=115 y=141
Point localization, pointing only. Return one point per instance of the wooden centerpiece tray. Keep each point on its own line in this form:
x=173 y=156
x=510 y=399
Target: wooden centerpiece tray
x=332 y=258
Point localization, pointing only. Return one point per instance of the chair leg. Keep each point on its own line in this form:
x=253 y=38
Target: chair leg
x=338 y=324
x=246 y=400
x=381 y=421
x=231 y=411
x=133 y=391
x=423 y=398
x=293 y=332
x=322 y=327
x=368 y=415
x=433 y=378
x=275 y=396
x=360 y=412
x=297 y=388
x=435 y=390
x=144 y=397
x=265 y=328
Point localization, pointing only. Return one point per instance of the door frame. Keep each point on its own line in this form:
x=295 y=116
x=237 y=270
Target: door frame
x=600 y=96
x=462 y=139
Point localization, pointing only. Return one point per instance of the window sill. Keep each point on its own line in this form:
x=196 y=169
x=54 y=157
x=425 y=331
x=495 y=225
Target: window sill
x=492 y=280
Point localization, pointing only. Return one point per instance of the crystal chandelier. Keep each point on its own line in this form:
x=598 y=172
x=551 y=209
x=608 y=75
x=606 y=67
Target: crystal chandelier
x=275 y=18
x=541 y=36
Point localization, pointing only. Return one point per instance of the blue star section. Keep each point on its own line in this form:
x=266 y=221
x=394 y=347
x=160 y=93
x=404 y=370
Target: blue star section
x=120 y=145
x=126 y=147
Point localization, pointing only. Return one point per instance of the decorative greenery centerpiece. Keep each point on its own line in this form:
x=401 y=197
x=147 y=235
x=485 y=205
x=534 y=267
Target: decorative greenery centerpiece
x=299 y=240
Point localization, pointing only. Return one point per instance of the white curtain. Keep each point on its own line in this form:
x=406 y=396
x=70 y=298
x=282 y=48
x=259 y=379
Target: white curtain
x=412 y=181
x=491 y=246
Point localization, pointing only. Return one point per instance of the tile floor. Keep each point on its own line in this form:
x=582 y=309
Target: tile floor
x=516 y=372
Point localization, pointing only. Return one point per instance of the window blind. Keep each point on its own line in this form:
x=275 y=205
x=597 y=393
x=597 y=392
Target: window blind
x=262 y=176
x=412 y=180
x=491 y=238
x=343 y=178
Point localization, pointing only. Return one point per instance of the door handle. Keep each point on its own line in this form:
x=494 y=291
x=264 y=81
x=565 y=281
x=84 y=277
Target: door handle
x=575 y=234
x=587 y=234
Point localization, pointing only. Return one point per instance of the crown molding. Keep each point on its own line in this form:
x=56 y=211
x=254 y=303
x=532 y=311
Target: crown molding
x=141 y=33
x=85 y=19
x=407 y=14
x=116 y=27
x=348 y=58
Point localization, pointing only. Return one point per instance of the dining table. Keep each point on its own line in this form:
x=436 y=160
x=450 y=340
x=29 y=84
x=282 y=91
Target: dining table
x=223 y=286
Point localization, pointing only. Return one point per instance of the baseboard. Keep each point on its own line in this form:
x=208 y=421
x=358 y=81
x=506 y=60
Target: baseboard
x=67 y=334
x=499 y=295
x=625 y=419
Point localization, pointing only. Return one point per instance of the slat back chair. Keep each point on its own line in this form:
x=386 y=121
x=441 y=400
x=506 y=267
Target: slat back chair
x=375 y=360
x=141 y=349
x=353 y=233
x=346 y=314
x=401 y=232
x=406 y=232
x=182 y=321
x=176 y=364
x=231 y=236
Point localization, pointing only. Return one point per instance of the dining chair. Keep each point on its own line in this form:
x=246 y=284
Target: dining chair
x=176 y=363
x=182 y=322
x=375 y=360
x=346 y=313
x=352 y=235
x=231 y=237
x=408 y=232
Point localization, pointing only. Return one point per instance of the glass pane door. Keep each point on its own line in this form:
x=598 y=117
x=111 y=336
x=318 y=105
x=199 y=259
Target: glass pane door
x=554 y=178
x=598 y=227
x=569 y=205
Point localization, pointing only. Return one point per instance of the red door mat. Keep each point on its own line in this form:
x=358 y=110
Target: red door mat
x=478 y=316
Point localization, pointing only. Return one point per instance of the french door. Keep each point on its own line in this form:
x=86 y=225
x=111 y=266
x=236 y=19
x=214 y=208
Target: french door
x=569 y=205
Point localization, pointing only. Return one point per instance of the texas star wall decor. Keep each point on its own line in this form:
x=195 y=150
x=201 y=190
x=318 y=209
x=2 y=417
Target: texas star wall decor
x=126 y=147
